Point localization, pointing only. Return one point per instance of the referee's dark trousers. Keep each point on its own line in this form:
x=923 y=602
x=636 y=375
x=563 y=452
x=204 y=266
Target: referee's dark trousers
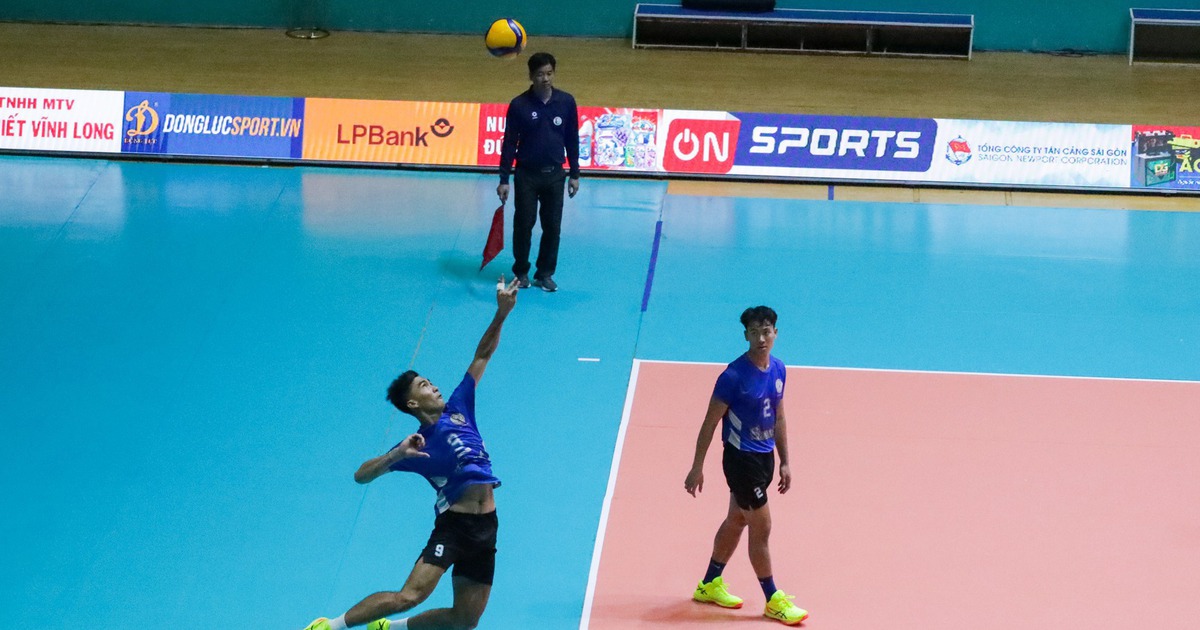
x=534 y=187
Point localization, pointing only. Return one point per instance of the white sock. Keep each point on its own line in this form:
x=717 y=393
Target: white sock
x=400 y=624
x=338 y=624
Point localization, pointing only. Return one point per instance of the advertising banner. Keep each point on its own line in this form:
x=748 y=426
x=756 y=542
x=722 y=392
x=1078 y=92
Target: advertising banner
x=212 y=125
x=909 y=150
x=611 y=139
x=698 y=141
x=618 y=139
x=791 y=145
x=34 y=119
x=398 y=132
x=491 y=133
x=1165 y=157
x=1066 y=155
x=686 y=142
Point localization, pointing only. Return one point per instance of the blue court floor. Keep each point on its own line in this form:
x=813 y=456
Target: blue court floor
x=193 y=361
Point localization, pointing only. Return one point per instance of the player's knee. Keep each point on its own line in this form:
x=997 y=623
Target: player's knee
x=408 y=598
x=760 y=525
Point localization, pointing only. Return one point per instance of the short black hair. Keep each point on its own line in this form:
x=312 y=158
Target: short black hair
x=757 y=314
x=537 y=60
x=397 y=392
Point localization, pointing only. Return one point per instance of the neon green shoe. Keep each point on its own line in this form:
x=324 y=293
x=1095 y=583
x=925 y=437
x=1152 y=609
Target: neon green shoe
x=379 y=624
x=715 y=593
x=781 y=608
x=319 y=623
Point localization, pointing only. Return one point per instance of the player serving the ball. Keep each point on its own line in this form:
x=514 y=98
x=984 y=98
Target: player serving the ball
x=448 y=451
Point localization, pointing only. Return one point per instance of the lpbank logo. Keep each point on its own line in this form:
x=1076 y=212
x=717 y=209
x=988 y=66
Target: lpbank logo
x=701 y=146
x=393 y=137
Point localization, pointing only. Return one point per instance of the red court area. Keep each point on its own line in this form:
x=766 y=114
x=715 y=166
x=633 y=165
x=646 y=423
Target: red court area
x=921 y=501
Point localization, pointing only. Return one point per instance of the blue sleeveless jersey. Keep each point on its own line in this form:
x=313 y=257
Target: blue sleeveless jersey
x=753 y=396
x=457 y=458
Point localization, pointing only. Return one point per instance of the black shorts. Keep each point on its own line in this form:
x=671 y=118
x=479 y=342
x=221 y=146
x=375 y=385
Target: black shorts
x=749 y=475
x=467 y=541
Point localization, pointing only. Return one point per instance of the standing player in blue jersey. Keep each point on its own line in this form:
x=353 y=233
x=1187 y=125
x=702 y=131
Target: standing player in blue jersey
x=748 y=401
x=448 y=451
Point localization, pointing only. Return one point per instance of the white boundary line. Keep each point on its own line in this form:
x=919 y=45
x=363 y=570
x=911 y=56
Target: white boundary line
x=586 y=618
x=951 y=372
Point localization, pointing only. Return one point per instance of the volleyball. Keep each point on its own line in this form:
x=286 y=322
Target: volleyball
x=505 y=38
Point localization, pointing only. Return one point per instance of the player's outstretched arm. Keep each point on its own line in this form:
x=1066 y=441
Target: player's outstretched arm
x=373 y=468
x=695 y=478
x=506 y=299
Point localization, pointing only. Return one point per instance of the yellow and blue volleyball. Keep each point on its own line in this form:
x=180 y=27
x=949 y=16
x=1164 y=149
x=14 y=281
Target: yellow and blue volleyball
x=505 y=38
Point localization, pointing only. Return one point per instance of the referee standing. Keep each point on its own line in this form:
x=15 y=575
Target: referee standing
x=542 y=125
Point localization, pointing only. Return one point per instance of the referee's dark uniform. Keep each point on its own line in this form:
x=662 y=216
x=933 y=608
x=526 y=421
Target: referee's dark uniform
x=537 y=135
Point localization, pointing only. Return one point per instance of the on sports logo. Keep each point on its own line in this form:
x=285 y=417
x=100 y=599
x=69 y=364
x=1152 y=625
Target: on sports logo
x=701 y=146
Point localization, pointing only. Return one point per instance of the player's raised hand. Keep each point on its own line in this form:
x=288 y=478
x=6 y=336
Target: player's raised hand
x=411 y=446
x=695 y=481
x=506 y=294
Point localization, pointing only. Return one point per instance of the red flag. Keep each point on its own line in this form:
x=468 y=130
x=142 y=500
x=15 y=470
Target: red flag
x=495 y=240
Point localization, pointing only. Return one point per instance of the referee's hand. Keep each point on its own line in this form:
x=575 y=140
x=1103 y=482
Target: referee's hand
x=572 y=186
x=502 y=193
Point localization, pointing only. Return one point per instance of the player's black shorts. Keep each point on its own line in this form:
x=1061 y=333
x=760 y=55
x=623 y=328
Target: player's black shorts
x=749 y=475
x=467 y=541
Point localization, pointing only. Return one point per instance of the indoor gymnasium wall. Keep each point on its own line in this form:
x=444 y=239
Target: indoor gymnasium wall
x=1030 y=25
